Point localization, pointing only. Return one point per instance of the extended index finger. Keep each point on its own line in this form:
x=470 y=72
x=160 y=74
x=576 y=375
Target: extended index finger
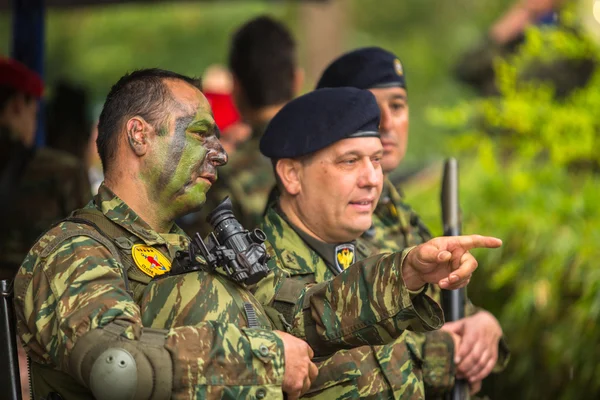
x=469 y=242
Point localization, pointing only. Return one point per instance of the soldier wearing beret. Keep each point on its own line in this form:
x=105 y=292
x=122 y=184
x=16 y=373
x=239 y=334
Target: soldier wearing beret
x=396 y=226
x=38 y=186
x=327 y=155
x=368 y=303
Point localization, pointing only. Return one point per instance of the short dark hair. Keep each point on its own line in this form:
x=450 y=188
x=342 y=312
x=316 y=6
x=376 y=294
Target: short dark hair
x=262 y=57
x=142 y=92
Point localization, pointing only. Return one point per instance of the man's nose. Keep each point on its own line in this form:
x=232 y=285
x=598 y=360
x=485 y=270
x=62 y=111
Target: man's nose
x=371 y=175
x=218 y=156
x=385 y=124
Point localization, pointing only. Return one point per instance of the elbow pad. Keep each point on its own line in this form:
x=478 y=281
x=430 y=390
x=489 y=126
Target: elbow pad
x=116 y=368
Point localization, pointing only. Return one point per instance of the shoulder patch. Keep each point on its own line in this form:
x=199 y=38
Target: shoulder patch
x=149 y=260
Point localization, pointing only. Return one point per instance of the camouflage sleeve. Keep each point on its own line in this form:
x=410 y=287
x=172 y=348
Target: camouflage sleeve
x=78 y=288
x=438 y=362
x=368 y=303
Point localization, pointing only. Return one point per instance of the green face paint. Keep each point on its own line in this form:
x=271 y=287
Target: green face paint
x=183 y=164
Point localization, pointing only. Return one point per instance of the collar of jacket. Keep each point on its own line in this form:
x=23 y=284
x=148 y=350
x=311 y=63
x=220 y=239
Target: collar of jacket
x=390 y=205
x=314 y=247
x=120 y=213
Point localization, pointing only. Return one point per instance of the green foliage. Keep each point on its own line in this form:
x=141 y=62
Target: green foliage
x=94 y=46
x=429 y=37
x=533 y=182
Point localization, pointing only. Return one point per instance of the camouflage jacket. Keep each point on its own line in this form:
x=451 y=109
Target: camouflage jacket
x=397 y=226
x=247 y=179
x=52 y=184
x=392 y=370
x=66 y=288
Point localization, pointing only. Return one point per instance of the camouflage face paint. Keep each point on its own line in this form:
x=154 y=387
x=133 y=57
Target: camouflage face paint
x=183 y=164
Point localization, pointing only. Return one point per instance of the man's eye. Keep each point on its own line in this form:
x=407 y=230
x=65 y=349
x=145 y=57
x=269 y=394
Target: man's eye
x=397 y=106
x=350 y=161
x=203 y=133
x=377 y=159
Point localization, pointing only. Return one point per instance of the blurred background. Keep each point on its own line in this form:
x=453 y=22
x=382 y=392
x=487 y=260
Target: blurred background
x=522 y=118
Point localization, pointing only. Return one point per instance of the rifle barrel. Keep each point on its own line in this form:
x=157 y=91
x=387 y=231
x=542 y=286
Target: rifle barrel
x=453 y=301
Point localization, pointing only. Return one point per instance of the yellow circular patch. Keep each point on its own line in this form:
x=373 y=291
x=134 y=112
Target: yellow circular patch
x=151 y=261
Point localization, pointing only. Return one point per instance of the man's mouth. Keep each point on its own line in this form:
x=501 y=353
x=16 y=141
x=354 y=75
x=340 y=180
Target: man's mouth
x=211 y=178
x=363 y=204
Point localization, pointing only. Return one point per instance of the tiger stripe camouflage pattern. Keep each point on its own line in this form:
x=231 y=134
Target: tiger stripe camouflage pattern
x=67 y=288
x=391 y=370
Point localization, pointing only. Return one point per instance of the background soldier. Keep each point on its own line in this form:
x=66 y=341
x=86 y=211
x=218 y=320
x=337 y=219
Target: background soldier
x=77 y=292
x=396 y=226
x=263 y=61
x=38 y=186
x=327 y=154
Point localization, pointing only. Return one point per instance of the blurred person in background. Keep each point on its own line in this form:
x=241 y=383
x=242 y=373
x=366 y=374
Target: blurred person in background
x=217 y=86
x=476 y=66
x=217 y=79
x=396 y=226
x=67 y=120
x=263 y=61
x=38 y=186
x=233 y=130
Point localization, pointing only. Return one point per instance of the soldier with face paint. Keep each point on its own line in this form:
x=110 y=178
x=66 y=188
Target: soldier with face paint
x=327 y=154
x=396 y=226
x=78 y=294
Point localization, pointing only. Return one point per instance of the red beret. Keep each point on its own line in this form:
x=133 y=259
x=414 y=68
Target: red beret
x=223 y=109
x=18 y=76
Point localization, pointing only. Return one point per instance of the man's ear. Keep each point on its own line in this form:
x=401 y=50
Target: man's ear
x=298 y=80
x=137 y=135
x=289 y=173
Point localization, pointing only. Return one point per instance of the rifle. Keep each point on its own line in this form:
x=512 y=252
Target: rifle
x=453 y=301
x=10 y=380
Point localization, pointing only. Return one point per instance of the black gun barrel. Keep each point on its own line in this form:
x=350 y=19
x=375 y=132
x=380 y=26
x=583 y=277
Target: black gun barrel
x=453 y=301
x=10 y=379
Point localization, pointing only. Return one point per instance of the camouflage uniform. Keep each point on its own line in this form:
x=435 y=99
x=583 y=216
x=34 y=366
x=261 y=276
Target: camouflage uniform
x=247 y=179
x=329 y=316
x=72 y=283
x=392 y=370
x=52 y=184
x=397 y=226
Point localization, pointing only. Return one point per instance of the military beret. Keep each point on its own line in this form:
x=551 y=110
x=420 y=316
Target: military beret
x=366 y=68
x=17 y=76
x=314 y=121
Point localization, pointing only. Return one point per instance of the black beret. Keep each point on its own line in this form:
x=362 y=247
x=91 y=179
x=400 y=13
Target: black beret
x=366 y=68
x=314 y=121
